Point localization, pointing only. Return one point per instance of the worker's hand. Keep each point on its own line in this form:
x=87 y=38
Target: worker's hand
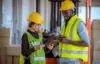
x=55 y=42
x=50 y=46
x=39 y=46
x=61 y=36
x=64 y=40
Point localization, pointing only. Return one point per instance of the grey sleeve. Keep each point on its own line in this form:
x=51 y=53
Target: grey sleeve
x=83 y=33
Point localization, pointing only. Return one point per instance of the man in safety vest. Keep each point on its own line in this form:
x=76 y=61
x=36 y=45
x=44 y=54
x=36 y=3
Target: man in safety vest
x=73 y=45
x=32 y=51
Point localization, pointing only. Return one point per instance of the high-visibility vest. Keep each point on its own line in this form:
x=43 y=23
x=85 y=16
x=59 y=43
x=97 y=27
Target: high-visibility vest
x=69 y=50
x=37 y=57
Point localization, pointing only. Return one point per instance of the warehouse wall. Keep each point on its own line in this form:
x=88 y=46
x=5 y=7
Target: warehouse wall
x=96 y=41
x=7 y=13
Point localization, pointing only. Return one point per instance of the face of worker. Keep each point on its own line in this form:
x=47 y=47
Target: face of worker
x=67 y=14
x=36 y=27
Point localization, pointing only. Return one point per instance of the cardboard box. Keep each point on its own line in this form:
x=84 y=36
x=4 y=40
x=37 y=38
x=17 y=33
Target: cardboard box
x=96 y=24
x=96 y=34
x=96 y=41
x=0 y=42
x=96 y=57
x=4 y=32
x=3 y=51
x=97 y=45
x=9 y=60
x=14 y=51
x=16 y=59
x=4 y=36
x=4 y=41
x=3 y=59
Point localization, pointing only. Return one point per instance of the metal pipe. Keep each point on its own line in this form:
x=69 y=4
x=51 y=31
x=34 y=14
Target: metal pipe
x=58 y=15
x=51 y=17
x=38 y=6
x=55 y=15
x=77 y=6
x=55 y=22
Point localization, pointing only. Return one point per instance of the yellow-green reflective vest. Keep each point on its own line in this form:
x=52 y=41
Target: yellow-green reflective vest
x=69 y=50
x=37 y=57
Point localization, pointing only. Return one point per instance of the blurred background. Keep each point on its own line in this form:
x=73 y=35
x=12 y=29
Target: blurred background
x=13 y=23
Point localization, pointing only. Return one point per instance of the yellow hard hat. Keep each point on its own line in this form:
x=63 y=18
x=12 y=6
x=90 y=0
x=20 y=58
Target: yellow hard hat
x=36 y=18
x=66 y=5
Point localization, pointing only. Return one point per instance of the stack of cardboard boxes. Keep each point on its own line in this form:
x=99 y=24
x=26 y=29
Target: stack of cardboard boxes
x=96 y=41
x=4 y=41
x=4 y=36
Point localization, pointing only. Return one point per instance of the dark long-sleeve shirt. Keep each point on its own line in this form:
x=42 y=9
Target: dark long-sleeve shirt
x=26 y=51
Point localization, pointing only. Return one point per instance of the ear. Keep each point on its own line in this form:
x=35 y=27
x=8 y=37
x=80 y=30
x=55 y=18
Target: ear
x=73 y=11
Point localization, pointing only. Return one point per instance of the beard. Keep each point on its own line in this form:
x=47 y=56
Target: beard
x=66 y=17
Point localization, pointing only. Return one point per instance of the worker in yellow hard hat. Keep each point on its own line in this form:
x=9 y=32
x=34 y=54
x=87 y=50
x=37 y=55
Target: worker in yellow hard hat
x=32 y=51
x=73 y=45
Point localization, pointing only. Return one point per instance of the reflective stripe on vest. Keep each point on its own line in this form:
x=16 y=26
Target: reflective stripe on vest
x=35 y=43
x=74 y=52
x=71 y=30
x=39 y=58
x=69 y=50
x=68 y=60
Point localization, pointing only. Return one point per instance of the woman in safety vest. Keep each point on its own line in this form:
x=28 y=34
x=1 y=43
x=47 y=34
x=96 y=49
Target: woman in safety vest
x=32 y=51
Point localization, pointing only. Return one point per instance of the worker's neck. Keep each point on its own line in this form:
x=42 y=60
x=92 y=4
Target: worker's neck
x=69 y=18
x=31 y=29
x=66 y=20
